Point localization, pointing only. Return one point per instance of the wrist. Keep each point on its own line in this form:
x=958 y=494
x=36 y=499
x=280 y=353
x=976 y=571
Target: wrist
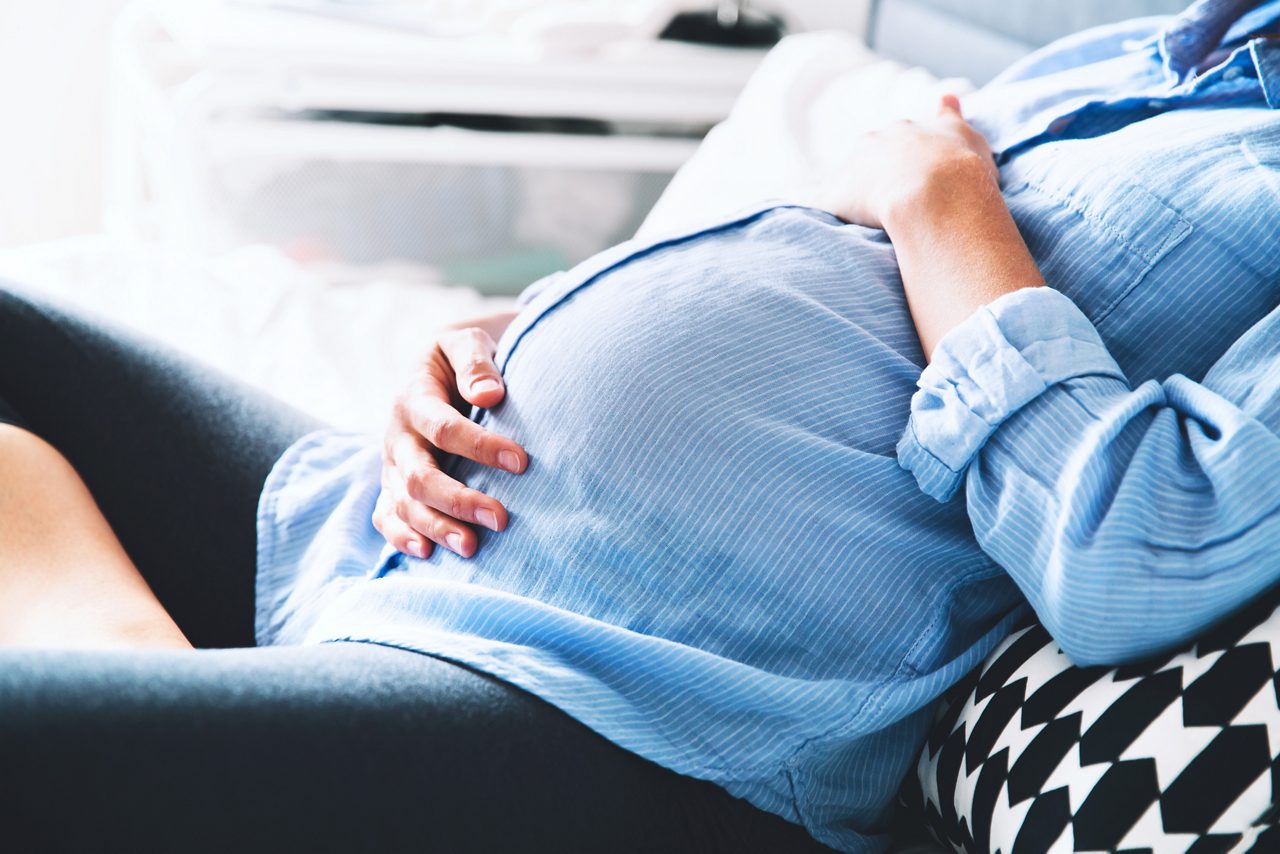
x=958 y=248
x=962 y=185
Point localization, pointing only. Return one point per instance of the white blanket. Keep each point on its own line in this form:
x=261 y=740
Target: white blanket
x=791 y=124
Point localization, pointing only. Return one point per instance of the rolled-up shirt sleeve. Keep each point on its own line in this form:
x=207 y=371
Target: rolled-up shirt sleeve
x=987 y=369
x=1132 y=518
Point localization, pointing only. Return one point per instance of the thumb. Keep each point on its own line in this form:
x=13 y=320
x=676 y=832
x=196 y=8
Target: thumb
x=950 y=104
x=470 y=354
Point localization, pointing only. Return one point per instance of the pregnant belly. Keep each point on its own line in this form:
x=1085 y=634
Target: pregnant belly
x=711 y=430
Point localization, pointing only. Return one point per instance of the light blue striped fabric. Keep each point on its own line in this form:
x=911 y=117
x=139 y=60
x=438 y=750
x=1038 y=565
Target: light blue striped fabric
x=715 y=559
x=1131 y=518
x=1109 y=77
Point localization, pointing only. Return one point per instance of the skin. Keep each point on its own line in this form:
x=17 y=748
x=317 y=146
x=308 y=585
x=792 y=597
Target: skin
x=420 y=506
x=65 y=580
x=932 y=186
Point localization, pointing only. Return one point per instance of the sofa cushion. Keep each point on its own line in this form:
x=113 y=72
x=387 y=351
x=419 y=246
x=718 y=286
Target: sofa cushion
x=1030 y=753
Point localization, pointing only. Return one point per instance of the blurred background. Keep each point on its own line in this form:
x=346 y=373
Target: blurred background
x=274 y=184
x=69 y=67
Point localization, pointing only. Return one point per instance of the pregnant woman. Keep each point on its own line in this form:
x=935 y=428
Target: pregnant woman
x=710 y=607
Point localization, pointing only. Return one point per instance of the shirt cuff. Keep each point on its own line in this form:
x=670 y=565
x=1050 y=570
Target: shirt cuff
x=983 y=371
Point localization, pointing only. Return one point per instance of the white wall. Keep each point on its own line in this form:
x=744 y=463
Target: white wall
x=53 y=79
x=53 y=63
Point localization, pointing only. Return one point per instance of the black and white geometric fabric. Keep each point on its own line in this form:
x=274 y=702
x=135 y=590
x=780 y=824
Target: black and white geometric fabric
x=1032 y=754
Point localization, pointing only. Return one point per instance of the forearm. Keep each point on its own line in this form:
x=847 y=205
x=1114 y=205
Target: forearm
x=1131 y=519
x=958 y=249
x=933 y=186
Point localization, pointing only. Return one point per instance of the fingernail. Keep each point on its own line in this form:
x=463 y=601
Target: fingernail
x=455 y=542
x=482 y=386
x=487 y=518
x=414 y=547
x=509 y=461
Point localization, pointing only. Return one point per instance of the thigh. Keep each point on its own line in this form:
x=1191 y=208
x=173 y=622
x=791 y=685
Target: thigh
x=345 y=747
x=174 y=453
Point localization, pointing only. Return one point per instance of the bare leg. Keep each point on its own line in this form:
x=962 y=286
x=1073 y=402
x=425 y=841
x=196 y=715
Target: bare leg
x=65 y=580
x=173 y=453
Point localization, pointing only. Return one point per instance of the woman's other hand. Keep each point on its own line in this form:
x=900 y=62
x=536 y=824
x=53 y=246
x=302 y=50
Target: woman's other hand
x=420 y=504
x=890 y=168
x=934 y=188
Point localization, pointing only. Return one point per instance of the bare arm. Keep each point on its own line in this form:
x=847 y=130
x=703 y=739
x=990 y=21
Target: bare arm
x=1132 y=519
x=958 y=249
x=933 y=187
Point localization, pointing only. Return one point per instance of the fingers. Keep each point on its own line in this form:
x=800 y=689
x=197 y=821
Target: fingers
x=412 y=528
x=436 y=527
x=450 y=431
x=406 y=519
x=396 y=531
x=420 y=504
x=950 y=104
x=422 y=481
x=949 y=111
x=470 y=353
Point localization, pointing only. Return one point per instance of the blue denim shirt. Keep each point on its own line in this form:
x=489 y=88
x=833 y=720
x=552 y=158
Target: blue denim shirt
x=715 y=559
x=1132 y=518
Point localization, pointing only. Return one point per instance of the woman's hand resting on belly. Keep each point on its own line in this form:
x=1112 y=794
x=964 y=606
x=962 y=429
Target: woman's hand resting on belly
x=934 y=188
x=419 y=504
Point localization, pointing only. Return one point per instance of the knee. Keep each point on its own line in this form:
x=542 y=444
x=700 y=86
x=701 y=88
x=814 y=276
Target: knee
x=39 y=489
x=17 y=443
x=9 y=417
x=30 y=466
